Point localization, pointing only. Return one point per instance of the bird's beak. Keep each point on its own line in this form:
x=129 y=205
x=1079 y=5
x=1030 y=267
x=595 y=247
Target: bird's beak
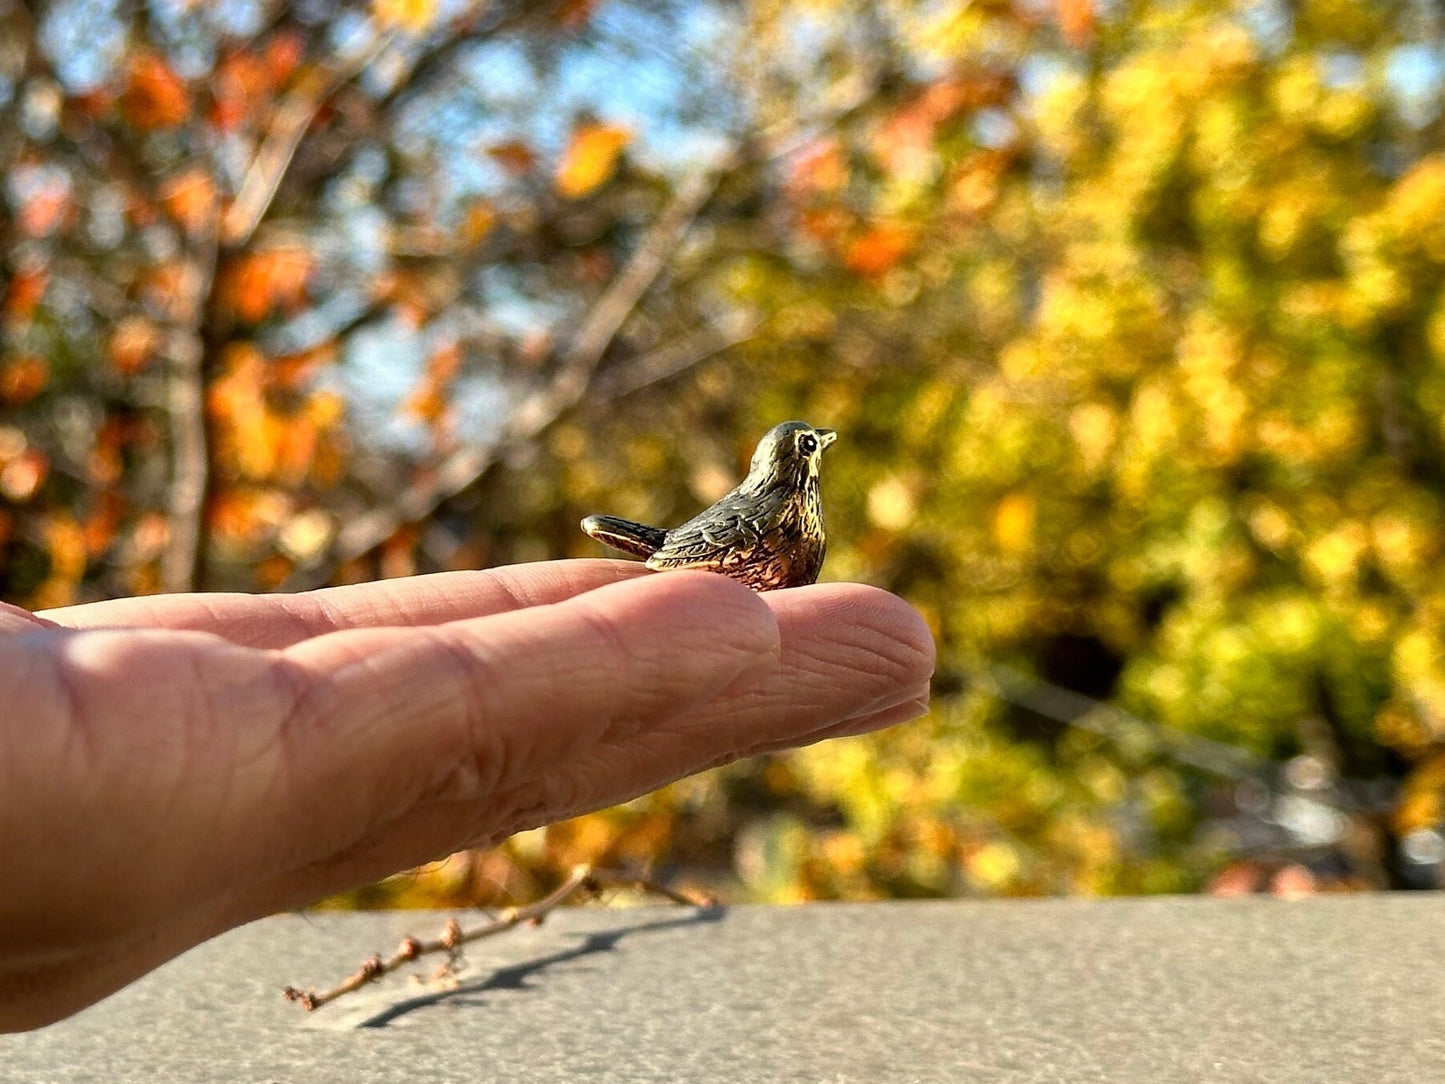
x=826 y=437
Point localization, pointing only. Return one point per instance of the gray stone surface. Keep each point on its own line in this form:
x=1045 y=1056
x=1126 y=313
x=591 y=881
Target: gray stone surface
x=1320 y=990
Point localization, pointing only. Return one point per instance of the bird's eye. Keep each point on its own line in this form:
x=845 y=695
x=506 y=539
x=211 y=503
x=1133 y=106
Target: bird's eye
x=808 y=443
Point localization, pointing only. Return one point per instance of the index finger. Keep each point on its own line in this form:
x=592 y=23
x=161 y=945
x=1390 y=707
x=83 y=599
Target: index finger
x=279 y=621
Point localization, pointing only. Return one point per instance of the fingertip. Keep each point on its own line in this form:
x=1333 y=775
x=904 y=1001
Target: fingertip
x=890 y=623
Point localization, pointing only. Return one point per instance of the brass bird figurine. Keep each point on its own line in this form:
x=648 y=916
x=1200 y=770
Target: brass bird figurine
x=767 y=533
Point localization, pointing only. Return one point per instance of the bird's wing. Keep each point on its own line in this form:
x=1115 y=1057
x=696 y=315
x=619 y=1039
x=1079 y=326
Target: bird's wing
x=734 y=524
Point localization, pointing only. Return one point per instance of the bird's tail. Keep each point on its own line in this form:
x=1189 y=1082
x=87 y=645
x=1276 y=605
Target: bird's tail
x=637 y=539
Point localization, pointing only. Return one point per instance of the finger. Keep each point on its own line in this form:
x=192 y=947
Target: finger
x=850 y=655
x=385 y=719
x=278 y=621
x=851 y=659
x=13 y=619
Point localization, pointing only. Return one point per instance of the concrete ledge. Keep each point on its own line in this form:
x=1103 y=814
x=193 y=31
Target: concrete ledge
x=1166 y=989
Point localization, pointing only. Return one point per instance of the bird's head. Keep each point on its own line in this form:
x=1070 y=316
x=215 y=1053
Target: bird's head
x=789 y=451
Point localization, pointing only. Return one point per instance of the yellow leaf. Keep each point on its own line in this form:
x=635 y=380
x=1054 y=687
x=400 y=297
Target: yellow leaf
x=1013 y=523
x=413 y=15
x=590 y=158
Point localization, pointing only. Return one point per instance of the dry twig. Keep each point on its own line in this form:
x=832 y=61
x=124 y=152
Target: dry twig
x=583 y=879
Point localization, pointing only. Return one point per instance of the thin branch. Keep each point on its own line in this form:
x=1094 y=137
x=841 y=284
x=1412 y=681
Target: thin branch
x=605 y=319
x=668 y=361
x=583 y=879
x=1119 y=726
x=478 y=22
x=274 y=157
x=544 y=406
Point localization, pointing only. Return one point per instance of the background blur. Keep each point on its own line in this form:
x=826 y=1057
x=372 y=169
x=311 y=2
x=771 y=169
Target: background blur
x=1131 y=316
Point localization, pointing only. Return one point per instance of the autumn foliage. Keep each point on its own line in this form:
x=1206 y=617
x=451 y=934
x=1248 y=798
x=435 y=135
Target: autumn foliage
x=1131 y=317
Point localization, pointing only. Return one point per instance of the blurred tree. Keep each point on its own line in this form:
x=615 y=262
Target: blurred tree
x=1130 y=317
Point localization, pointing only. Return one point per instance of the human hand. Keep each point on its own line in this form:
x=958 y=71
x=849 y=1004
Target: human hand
x=174 y=766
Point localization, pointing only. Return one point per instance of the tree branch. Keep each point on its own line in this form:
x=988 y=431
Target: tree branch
x=544 y=406
x=668 y=361
x=273 y=158
x=182 y=562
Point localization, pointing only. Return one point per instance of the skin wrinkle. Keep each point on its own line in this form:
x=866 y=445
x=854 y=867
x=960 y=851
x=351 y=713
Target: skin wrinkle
x=194 y=748
x=76 y=733
x=308 y=708
x=390 y=784
x=516 y=599
x=521 y=748
x=77 y=757
x=485 y=753
x=318 y=616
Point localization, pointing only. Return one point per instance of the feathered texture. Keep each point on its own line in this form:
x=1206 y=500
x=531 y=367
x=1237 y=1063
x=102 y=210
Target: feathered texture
x=767 y=533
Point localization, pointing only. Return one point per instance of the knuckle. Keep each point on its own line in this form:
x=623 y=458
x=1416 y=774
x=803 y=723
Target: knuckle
x=485 y=752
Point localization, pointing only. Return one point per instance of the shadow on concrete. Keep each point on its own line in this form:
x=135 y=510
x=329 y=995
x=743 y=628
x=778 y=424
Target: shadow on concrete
x=517 y=976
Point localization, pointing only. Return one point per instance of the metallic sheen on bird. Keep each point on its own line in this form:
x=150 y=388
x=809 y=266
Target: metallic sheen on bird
x=767 y=533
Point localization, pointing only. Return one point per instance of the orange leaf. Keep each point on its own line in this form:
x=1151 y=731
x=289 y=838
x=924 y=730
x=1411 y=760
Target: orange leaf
x=133 y=344
x=25 y=290
x=24 y=475
x=325 y=409
x=294 y=372
x=44 y=209
x=1076 y=20
x=590 y=159
x=398 y=554
x=65 y=543
x=514 y=154
x=272 y=571
x=23 y=379
x=100 y=527
x=879 y=249
x=574 y=14
x=825 y=224
x=283 y=53
x=106 y=462
x=166 y=286
x=240 y=82
x=190 y=198
x=481 y=217
x=155 y=96
x=904 y=142
x=427 y=403
x=295 y=448
x=821 y=168
x=256 y=283
x=445 y=363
